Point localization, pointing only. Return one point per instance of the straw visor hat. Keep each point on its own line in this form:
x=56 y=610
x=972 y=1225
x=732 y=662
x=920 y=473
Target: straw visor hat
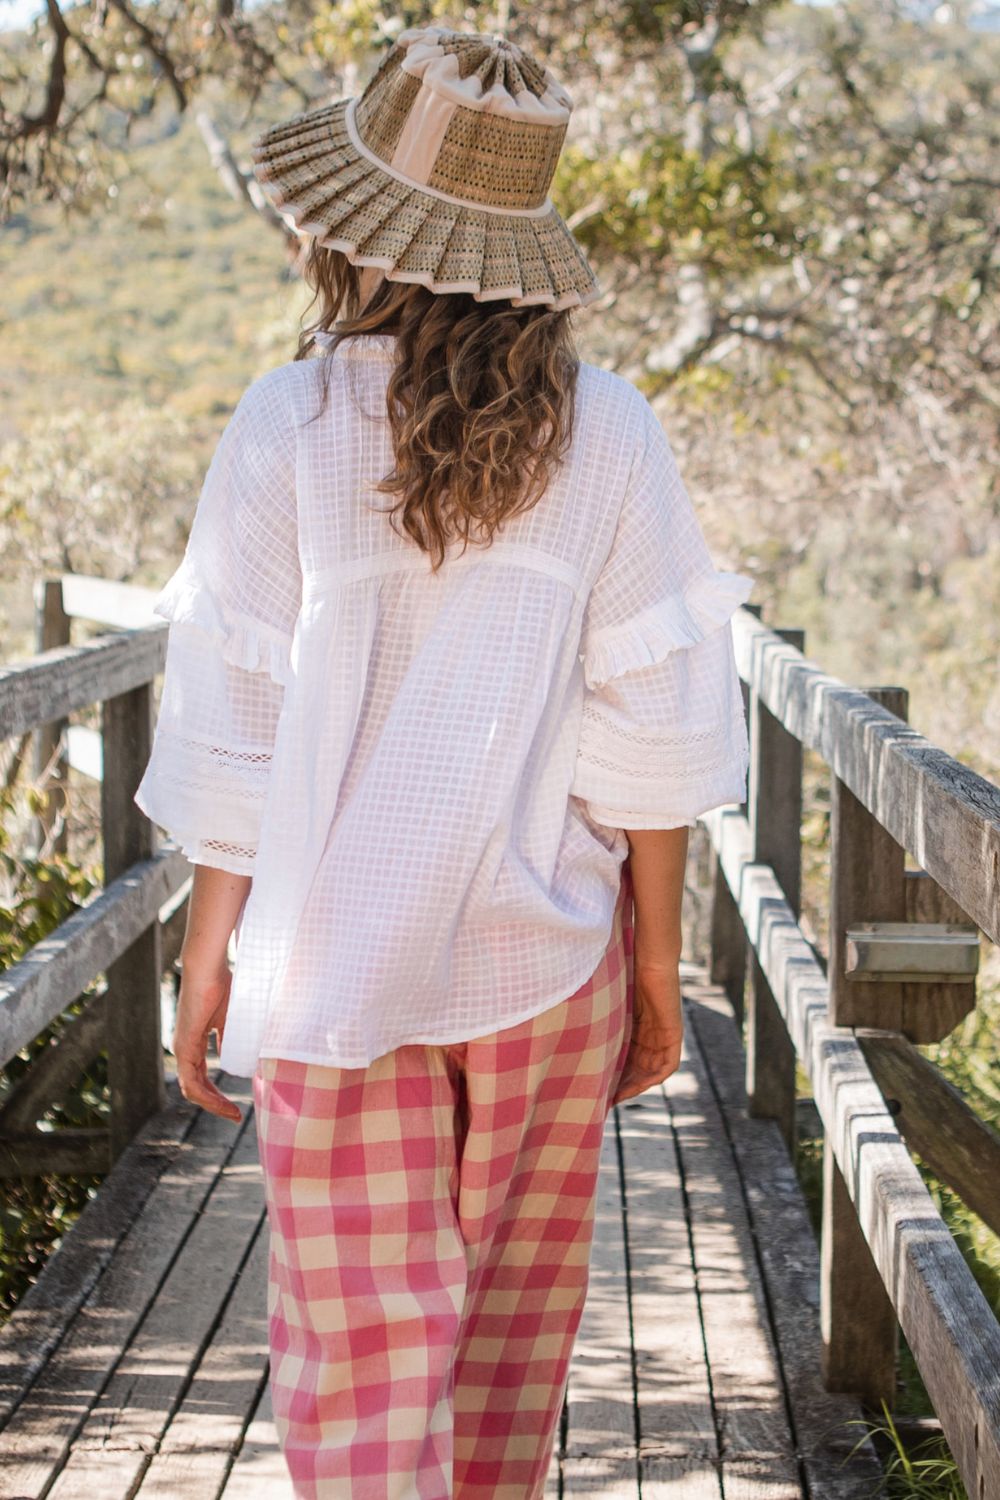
x=438 y=172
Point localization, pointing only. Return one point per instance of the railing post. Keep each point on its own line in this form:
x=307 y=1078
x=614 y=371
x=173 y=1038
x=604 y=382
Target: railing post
x=867 y=884
x=727 y=939
x=135 y=1053
x=775 y=816
x=52 y=628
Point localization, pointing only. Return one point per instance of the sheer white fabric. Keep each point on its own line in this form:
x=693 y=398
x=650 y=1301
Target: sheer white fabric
x=428 y=775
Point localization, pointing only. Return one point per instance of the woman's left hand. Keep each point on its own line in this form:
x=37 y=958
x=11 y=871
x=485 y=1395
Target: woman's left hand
x=204 y=1001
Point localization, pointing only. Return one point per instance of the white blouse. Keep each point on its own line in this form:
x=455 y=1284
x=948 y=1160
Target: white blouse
x=427 y=775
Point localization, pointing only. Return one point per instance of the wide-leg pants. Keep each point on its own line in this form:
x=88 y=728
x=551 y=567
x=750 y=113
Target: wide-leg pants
x=431 y=1219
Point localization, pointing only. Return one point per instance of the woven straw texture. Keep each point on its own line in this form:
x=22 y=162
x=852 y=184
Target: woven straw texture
x=479 y=220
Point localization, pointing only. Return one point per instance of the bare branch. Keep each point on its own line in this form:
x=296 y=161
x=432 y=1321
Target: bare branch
x=155 y=48
x=55 y=91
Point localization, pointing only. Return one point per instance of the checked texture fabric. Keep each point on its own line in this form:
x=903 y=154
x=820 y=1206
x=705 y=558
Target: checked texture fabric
x=431 y=1219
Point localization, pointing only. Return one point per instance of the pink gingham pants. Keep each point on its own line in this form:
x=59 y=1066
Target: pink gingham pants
x=431 y=1219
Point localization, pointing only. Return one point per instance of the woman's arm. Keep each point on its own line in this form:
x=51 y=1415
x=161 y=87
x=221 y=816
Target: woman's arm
x=657 y=858
x=216 y=900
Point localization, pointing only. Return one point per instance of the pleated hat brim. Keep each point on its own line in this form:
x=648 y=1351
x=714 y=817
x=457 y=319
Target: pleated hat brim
x=315 y=176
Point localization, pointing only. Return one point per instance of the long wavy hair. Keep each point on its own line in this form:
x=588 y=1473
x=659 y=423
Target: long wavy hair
x=480 y=400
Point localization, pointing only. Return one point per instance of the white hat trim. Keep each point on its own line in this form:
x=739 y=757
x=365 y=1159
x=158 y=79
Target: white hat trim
x=438 y=71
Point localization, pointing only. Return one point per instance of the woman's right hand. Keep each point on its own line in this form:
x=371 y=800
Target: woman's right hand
x=657 y=1030
x=202 y=1008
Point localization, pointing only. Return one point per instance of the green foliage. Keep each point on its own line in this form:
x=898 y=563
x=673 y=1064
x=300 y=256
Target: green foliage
x=926 y=1471
x=37 y=892
x=660 y=202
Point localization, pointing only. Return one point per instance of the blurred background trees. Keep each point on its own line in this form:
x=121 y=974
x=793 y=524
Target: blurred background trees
x=793 y=210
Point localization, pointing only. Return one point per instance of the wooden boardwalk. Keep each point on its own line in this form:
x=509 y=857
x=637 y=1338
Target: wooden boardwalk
x=136 y=1367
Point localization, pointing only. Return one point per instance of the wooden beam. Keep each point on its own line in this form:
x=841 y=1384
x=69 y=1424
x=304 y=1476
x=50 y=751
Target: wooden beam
x=64 y=1153
x=34 y=990
x=775 y=814
x=53 y=1071
x=52 y=628
x=727 y=941
x=58 y=682
x=123 y=605
x=857 y=1318
x=931 y=1010
x=946 y=815
x=949 y=1325
x=866 y=885
x=937 y=1122
x=135 y=1051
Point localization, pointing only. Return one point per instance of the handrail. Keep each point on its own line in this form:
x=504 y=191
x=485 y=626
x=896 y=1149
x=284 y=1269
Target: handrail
x=888 y=1259
x=58 y=682
x=949 y=1325
x=944 y=813
x=55 y=971
x=119 y=933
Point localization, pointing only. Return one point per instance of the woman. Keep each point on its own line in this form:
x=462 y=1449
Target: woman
x=449 y=677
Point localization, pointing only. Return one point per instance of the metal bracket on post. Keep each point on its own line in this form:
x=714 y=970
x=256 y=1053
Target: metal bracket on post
x=918 y=952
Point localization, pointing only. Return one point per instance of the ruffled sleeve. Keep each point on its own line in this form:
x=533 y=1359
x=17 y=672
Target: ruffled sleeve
x=232 y=604
x=663 y=735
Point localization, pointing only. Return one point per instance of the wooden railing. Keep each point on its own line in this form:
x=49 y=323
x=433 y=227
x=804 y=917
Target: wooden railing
x=903 y=947
x=131 y=931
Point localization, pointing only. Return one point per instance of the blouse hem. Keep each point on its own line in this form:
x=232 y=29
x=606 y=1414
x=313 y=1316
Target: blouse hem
x=608 y=818
x=439 y=1041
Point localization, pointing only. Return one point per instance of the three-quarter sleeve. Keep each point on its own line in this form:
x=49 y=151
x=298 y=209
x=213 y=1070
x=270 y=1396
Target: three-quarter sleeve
x=232 y=605
x=663 y=735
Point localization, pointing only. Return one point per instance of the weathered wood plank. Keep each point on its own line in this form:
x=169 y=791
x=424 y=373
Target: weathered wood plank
x=823 y=1422
x=756 y=1453
x=106 y=601
x=135 y=1051
x=946 y=1319
x=58 y=969
x=198 y=1447
x=57 y=682
x=937 y=1123
x=260 y=1471
x=860 y=1334
x=54 y=1070
x=774 y=810
x=67 y=1152
x=601 y=1458
x=128 y=1421
x=68 y=1278
x=946 y=815
x=857 y=1315
x=930 y=1011
x=52 y=629
x=678 y=1443
x=866 y=885
x=37 y=1438
x=727 y=940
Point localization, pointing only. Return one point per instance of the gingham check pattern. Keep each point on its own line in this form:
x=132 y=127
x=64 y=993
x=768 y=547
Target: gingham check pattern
x=431 y=1220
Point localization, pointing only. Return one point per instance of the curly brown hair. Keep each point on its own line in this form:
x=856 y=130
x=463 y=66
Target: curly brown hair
x=480 y=401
